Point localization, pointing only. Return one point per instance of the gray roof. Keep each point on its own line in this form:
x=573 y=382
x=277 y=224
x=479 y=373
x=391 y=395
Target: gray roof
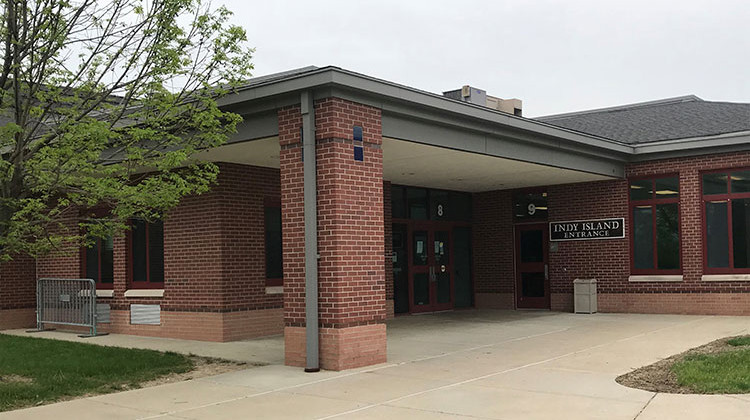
x=666 y=119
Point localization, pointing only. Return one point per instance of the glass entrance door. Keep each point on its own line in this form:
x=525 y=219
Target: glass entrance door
x=431 y=285
x=532 y=267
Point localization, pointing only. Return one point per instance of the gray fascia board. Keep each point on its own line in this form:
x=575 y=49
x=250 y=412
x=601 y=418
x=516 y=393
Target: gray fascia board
x=689 y=146
x=256 y=126
x=473 y=141
x=332 y=76
x=440 y=103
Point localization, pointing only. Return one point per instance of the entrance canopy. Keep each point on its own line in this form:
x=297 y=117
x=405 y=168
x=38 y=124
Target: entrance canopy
x=410 y=163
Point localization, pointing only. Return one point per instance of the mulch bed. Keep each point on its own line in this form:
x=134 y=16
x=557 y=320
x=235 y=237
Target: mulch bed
x=658 y=377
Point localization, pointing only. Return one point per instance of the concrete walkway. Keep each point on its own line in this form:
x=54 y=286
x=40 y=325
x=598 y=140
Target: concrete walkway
x=467 y=364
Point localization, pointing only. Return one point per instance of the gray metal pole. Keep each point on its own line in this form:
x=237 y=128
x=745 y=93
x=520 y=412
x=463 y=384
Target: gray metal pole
x=311 y=232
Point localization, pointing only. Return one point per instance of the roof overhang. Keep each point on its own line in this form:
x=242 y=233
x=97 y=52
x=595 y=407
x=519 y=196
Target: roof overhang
x=720 y=143
x=430 y=119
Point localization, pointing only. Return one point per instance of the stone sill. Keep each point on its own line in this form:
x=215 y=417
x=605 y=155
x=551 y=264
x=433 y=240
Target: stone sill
x=725 y=277
x=136 y=293
x=655 y=278
x=106 y=293
x=275 y=290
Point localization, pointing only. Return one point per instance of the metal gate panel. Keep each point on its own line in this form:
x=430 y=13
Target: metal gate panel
x=66 y=302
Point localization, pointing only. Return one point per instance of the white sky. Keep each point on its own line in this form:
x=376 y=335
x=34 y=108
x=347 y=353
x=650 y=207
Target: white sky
x=557 y=56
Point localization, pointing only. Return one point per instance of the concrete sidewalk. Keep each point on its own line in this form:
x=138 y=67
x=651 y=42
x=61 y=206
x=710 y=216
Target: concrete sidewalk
x=467 y=364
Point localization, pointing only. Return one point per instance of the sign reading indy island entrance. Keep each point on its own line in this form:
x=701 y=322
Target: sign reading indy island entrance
x=581 y=230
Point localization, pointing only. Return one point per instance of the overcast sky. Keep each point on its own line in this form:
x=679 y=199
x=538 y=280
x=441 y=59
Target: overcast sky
x=557 y=56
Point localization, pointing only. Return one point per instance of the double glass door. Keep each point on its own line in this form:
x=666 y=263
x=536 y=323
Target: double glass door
x=430 y=269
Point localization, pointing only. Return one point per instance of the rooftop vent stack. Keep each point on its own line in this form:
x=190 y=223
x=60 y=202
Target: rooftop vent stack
x=479 y=97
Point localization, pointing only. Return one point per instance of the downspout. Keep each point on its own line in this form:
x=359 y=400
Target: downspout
x=311 y=232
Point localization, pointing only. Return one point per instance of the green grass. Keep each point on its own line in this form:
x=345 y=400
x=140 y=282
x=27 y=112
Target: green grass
x=739 y=341
x=719 y=373
x=38 y=371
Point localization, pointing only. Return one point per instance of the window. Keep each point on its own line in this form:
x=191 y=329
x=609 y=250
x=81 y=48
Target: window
x=274 y=266
x=98 y=263
x=146 y=254
x=655 y=222
x=430 y=204
x=726 y=221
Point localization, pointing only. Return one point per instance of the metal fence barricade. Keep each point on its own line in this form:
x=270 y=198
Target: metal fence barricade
x=66 y=302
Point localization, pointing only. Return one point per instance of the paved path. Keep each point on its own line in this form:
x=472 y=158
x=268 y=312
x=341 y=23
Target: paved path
x=464 y=364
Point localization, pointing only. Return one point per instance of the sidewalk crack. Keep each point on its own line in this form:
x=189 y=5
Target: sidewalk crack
x=646 y=405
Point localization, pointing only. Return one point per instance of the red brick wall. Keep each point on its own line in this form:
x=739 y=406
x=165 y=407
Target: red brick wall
x=350 y=210
x=691 y=226
x=292 y=214
x=388 y=234
x=492 y=249
x=605 y=260
x=17 y=292
x=214 y=262
x=609 y=260
x=351 y=237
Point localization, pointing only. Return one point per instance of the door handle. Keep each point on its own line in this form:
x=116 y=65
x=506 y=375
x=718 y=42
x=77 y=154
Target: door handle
x=433 y=277
x=546 y=271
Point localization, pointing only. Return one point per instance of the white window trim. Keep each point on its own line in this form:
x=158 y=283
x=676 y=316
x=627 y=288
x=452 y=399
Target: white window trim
x=656 y=278
x=725 y=277
x=144 y=293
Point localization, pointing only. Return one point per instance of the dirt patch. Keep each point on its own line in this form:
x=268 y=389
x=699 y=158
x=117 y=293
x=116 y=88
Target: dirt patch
x=659 y=377
x=15 y=379
x=202 y=367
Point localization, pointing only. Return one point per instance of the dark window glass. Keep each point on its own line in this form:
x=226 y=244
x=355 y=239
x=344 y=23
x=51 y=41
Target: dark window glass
x=398 y=209
x=416 y=199
x=715 y=184
x=421 y=289
x=461 y=206
x=147 y=251
x=100 y=261
x=532 y=284
x=420 y=248
x=667 y=187
x=92 y=262
x=667 y=237
x=717 y=236
x=156 y=252
x=274 y=266
x=140 y=256
x=740 y=182
x=643 y=234
x=440 y=206
x=530 y=206
x=532 y=246
x=641 y=189
x=107 y=260
x=741 y=232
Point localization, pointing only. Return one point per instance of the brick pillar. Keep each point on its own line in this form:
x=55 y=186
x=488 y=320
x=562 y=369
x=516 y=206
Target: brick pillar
x=350 y=236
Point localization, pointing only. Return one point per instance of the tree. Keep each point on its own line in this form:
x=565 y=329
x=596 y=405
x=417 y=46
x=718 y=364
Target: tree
x=103 y=106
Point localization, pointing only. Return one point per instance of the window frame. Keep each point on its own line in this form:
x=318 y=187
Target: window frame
x=148 y=284
x=84 y=259
x=653 y=202
x=727 y=197
x=272 y=202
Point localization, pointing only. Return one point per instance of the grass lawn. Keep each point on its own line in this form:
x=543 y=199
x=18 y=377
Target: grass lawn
x=37 y=371
x=725 y=372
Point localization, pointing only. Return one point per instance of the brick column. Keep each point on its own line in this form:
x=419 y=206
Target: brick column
x=350 y=236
